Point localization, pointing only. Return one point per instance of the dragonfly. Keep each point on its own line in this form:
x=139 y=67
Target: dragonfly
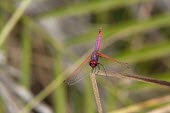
x=92 y=62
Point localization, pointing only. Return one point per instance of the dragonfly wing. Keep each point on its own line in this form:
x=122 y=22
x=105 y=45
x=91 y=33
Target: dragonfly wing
x=120 y=73
x=136 y=77
x=79 y=73
x=111 y=64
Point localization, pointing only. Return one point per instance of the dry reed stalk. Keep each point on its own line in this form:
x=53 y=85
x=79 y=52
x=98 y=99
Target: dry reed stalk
x=96 y=92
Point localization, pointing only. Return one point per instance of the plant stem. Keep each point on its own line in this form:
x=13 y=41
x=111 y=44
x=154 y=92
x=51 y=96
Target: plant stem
x=96 y=92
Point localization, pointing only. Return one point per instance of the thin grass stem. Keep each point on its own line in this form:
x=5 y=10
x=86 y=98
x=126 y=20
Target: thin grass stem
x=96 y=93
x=13 y=20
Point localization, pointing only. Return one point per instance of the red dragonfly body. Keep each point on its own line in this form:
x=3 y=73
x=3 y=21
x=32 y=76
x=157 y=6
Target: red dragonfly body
x=95 y=54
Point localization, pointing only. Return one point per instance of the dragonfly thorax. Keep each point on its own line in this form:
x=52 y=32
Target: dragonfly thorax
x=93 y=63
x=94 y=59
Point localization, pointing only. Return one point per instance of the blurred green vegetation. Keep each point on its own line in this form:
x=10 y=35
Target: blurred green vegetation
x=132 y=33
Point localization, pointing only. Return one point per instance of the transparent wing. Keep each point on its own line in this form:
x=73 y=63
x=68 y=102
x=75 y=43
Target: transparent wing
x=110 y=64
x=135 y=77
x=119 y=69
x=79 y=73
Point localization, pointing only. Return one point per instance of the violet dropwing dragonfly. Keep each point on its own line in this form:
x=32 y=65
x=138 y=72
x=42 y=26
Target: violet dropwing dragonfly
x=92 y=63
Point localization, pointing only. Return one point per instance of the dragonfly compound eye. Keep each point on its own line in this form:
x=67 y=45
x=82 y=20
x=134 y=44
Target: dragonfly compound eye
x=93 y=63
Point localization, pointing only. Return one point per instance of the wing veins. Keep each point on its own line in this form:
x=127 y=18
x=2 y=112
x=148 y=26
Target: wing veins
x=136 y=77
x=72 y=74
x=111 y=59
x=147 y=79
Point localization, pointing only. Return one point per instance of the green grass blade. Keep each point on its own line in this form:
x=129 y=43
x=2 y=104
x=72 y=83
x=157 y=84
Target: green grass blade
x=146 y=53
x=59 y=97
x=124 y=29
x=13 y=20
x=88 y=7
x=26 y=51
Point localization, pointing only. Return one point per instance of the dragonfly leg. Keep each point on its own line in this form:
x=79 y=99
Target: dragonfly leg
x=103 y=68
x=98 y=68
x=93 y=70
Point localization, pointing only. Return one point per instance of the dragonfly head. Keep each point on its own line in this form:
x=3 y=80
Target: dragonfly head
x=93 y=63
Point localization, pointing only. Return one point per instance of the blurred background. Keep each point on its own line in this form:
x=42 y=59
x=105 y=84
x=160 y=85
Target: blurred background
x=50 y=39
